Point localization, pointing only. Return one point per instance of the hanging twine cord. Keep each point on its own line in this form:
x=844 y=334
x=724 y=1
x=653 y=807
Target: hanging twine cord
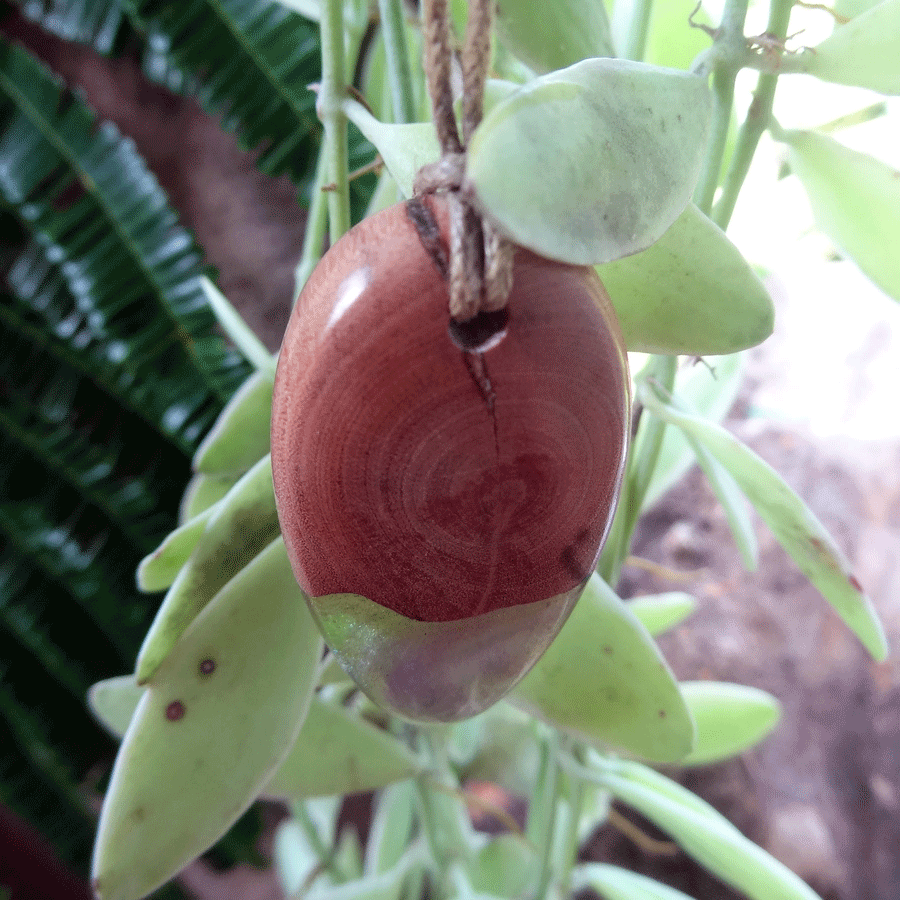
x=480 y=264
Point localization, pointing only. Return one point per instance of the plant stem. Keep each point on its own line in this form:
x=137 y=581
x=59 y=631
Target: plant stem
x=576 y=801
x=398 y=71
x=758 y=117
x=542 y=811
x=725 y=58
x=316 y=226
x=641 y=464
x=638 y=29
x=331 y=95
x=443 y=816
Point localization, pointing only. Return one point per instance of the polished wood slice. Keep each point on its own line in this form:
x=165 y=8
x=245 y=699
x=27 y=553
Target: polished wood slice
x=439 y=482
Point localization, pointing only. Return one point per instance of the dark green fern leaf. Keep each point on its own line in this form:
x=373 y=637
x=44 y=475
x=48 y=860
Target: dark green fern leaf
x=87 y=198
x=250 y=62
x=99 y=23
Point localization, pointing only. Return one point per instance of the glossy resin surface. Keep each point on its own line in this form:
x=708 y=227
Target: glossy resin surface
x=441 y=483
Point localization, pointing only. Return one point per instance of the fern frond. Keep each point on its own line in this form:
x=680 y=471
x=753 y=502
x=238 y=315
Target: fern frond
x=249 y=62
x=95 y=22
x=88 y=200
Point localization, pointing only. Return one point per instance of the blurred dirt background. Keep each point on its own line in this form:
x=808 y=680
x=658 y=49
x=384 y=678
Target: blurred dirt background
x=823 y=793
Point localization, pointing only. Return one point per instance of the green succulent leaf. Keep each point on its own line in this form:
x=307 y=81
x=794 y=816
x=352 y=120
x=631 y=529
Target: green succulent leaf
x=159 y=569
x=702 y=832
x=220 y=714
x=113 y=701
x=791 y=521
x=733 y=503
x=241 y=436
x=711 y=388
x=614 y=883
x=405 y=148
x=731 y=718
x=504 y=866
x=338 y=752
x=392 y=827
x=660 y=612
x=691 y=293
x=855 y=200
x=604 y=681
x=552 y=36
x=849 y=9
x=244 y=522
x=203 y=492
x=606 y=155
x=863 y=52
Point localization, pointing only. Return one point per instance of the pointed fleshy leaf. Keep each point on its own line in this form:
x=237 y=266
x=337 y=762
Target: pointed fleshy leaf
x=237 y=329
x=862 y=53
x=710 y=387
x=405 y=148
x=387 y=885
x=849 y=9
x=295 y=860
x=552 y=35
x=604 y=680
x=733 y=503
x=605 y=154
x=730 y=718
x=338 y=752
x=160 y=568
x=791 y=521
x=691 y=293
x=220 y=714
x=505 y=866
x=240 y=437
x=614 y=883
x=243 y=523
x=391 y=828
x=703 y=833
x=855 y=199
x=202 y=492
x=114 y=701
x=660 y=612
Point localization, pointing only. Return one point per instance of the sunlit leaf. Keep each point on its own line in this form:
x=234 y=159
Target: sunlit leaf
x=605 y=154
x=863 y=52
x=392 y=825
x=404 y=148
x=710 y=388
x=221 y=712
x=703 y=833
x=614 y=883
x=338 y=752
x=855 y=199
x=243 y=523
x=792 y=522
x=202 y=492
x=604 y=680
x=114 y=701
x=691 y=293
x=578 y=29
x=160 y=568
x=504 y=866
x=660 y=612
x=240 y=437
x=730 y=718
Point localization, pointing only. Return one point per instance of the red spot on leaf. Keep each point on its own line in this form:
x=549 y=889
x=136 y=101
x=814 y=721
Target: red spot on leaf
x=175 y=711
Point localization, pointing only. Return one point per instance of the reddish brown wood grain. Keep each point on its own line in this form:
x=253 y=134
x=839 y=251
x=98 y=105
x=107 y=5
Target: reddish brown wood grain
x=439 y=483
